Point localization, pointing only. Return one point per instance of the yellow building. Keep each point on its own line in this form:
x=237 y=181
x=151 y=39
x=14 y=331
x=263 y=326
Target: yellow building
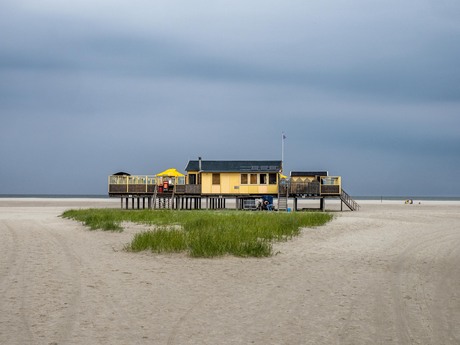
x=234 y=177
x=315 y=183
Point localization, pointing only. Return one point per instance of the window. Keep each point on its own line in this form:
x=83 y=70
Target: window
x=253 y=178
x=263 y=178
x=244 y=178
x=271 y=178
x=192 y=179
x=215 y=178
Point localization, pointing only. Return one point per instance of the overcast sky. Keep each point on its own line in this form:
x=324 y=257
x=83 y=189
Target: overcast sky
x=366 y=89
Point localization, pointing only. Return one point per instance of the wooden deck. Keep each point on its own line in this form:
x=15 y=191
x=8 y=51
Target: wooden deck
x=183 y=196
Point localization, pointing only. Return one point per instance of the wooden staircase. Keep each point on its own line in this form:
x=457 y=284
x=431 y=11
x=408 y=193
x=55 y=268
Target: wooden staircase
x=348 y=200
x=283 y=199
x=163 y=201
x=155 y=194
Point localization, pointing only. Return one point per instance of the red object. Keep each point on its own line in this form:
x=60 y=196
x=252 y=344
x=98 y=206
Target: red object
x=165 y=185
x=160 y=189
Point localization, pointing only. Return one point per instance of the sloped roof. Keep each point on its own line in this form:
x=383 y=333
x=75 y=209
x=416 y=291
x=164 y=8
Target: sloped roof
x=234 y=166
x=121 y=173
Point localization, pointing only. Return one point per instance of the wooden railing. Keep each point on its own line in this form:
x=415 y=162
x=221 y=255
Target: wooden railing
x=131 y=189
x=314 y=188
x=330 y=189
x=348 y=200
x=305 y=188
x=193 y=189
x=131 y=184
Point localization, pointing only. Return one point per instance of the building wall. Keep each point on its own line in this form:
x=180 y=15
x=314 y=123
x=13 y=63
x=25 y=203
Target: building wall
x=230 y=183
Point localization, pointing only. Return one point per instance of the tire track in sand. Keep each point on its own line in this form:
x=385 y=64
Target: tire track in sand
x=8 y=248
x=48 y=291
x=446 y=310
x=13 y=326
x=418 y=274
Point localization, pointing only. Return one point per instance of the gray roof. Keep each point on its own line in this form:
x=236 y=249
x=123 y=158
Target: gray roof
x=308 y=173
x=234 y=166
x=121 y=173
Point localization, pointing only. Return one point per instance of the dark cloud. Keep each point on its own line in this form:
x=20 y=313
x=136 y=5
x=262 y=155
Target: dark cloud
x=88 y=89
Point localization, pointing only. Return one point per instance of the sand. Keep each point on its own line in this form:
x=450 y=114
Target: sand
x=388 y=274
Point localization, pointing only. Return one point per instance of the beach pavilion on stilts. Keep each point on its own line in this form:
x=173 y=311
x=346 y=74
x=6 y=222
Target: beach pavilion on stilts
x=211 y=184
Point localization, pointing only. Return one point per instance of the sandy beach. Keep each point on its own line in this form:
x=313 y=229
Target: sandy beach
x=388 y=274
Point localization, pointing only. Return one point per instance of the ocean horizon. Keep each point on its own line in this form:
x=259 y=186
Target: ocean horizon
x=105 y=196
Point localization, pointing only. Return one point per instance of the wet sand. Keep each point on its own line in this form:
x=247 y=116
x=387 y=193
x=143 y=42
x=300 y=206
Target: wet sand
x=388 y=274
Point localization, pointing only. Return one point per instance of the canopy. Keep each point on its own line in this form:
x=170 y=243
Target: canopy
x=170 y=173
x=283 y=176
x=121 y=173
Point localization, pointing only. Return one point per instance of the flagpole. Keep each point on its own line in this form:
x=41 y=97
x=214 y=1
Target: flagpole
x=282 y=150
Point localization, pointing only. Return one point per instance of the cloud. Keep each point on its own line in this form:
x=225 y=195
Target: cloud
x=387 y=54
x=89 y=88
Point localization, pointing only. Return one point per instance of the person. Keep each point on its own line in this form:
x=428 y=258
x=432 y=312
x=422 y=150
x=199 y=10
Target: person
x=268 y=206
x=258 y=203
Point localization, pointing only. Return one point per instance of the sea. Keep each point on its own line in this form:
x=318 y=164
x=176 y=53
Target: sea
x=407 y=197
x=105 y=196
x=56 y=196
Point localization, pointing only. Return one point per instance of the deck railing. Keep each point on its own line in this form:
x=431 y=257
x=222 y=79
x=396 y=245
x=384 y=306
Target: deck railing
x=348 y=200
x=188 y=189
x=122 y=184
x=132 y=184
x=328 y=186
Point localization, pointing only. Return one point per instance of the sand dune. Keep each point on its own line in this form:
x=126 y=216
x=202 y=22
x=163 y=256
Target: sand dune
x=388 y=274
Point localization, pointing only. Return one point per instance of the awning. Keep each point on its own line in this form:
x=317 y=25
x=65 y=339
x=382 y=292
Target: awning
x=170 y=173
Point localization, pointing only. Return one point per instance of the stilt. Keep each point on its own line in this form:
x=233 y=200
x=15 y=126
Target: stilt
x=322 y=204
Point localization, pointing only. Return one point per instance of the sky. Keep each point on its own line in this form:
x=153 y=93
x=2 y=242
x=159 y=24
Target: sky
x=368 y=90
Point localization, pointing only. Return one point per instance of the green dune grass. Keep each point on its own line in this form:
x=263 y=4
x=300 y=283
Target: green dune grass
x=203 y=233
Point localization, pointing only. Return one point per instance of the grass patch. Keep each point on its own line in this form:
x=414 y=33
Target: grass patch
x=204 y=233
x=108 y=220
